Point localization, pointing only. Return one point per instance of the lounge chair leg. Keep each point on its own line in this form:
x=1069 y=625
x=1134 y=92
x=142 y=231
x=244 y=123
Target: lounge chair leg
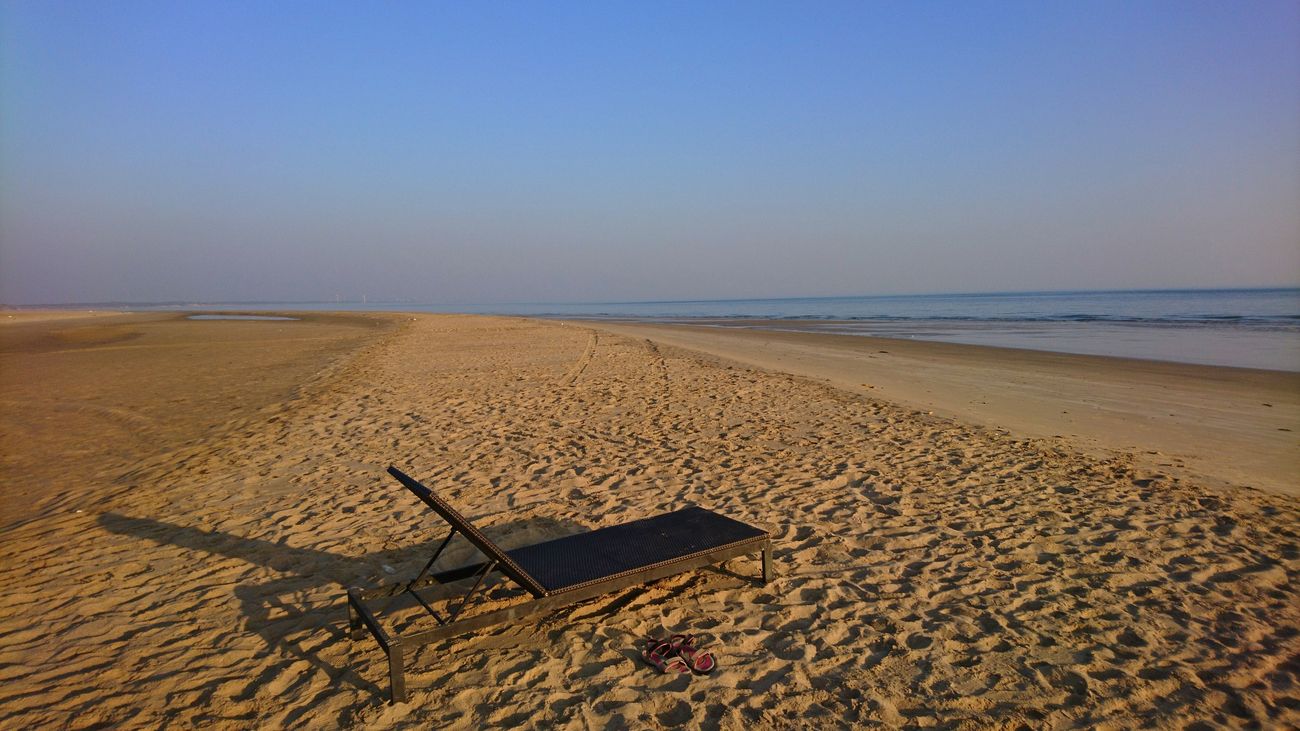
x=356 y=630
x=767 y=562
x=396 y=673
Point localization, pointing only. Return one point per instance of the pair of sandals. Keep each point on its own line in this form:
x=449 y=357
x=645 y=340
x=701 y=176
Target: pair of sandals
x=679 y=654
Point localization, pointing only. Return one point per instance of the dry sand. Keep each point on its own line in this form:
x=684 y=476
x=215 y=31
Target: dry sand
x=931 y=571
x=84 y=396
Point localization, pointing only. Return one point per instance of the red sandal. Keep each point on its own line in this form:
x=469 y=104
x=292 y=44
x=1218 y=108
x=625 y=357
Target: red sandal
x=662 y=655
x=697 y=659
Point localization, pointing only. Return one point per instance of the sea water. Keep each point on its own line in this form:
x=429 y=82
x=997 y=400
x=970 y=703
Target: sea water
x=1250 y=328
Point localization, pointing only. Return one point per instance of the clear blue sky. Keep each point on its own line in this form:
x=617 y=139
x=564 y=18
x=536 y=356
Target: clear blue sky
x=482 y=152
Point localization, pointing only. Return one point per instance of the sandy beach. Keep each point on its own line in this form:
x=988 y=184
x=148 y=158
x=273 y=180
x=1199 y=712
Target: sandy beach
x=1230 y=426
x=184 y=503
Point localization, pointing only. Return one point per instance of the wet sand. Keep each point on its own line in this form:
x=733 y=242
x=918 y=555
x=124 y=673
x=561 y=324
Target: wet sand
x=932 y=570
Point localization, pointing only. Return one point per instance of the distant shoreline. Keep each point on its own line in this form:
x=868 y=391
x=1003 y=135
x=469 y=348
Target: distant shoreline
x=1234 y=425
x=1165 y=343
x=1240 y=328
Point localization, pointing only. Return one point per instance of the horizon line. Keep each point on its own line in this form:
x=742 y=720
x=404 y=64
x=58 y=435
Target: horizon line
x=998 y=293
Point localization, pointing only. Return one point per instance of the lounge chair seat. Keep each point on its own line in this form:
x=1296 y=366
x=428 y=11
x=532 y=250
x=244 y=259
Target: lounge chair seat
x=569 y=563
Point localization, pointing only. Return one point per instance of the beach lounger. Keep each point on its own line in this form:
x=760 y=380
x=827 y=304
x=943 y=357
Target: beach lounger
x=556 y=573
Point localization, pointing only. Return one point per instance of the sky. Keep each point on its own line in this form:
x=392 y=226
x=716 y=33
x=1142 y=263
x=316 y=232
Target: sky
x=558 y=152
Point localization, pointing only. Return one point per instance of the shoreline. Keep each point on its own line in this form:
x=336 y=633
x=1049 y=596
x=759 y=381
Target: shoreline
x=1235 y=327
x=1230 y=425
x=1221 y=348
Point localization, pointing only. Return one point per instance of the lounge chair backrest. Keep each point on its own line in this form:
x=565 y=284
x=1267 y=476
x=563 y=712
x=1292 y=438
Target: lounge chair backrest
x=480 y=541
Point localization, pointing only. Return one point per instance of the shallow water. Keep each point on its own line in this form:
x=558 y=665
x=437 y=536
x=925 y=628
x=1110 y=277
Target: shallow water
x=1236 y=347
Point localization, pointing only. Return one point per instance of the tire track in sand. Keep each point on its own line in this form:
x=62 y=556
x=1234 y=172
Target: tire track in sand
x=583 y=360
